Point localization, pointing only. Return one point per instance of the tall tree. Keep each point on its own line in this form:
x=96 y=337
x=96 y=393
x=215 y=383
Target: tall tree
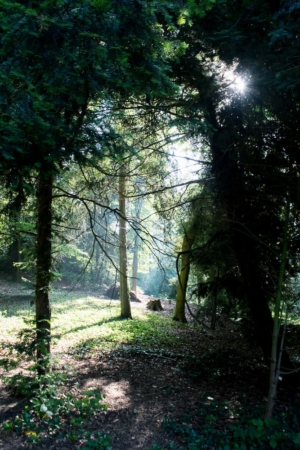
x=134 y=275
x=124 y=285
x=250 y=137
x=183 y=277
x=62 y=65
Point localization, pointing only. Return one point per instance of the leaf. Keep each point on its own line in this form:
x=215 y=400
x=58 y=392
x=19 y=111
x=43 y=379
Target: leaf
x=271 y=422
x=181 y=19
x=7 y=155
x=257 y=422
x=30 y=433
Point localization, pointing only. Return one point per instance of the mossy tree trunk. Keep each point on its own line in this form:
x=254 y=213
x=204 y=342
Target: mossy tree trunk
x=179 y=313
x=124 y=286
x=43 y=268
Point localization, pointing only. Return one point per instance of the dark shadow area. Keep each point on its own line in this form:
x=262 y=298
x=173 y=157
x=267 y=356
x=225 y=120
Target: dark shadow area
x=14 y=304
x=143 y=390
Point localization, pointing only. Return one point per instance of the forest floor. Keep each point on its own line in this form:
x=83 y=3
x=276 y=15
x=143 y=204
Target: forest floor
x=165 y=383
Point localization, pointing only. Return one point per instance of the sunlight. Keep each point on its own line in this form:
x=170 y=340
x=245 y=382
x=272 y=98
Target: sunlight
x=187 y=163
x=236 y=82
x=239 y=84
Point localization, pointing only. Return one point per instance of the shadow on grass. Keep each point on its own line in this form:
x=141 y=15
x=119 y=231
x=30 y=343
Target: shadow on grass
x=159 y=334
x=20 y=303
x=84 y=327
x=16 y=305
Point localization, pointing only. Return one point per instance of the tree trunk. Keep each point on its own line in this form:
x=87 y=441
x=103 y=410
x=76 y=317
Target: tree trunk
x=135 y=263
x=155 y=305
x=15 y=253
x=275 y=355
x=124 y=286
x=97 y=264
x=136 y=250
x=179 y=313
x=213 y=297
x=43 y=268
x=15 y=247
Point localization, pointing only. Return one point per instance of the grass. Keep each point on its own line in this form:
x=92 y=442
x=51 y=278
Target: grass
x=80 y=321
x=86 y=319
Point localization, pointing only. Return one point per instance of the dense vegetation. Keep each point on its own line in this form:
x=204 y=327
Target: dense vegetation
x=96 y=98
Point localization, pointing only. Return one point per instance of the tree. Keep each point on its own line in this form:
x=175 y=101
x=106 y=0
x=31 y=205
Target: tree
x=134 y=276
x=124 y=285
x=277 y=345
x=63 y=64
x=183 y=276
x=249 y=137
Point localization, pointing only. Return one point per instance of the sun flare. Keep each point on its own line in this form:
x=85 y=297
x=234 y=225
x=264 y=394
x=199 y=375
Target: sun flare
x=239 y=84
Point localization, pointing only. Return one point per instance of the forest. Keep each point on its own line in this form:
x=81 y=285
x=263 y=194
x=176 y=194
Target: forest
x=149 y=224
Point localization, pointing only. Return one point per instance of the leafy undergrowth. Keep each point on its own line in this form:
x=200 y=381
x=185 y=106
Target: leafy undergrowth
x=226 y=427
x=168 y=385
x=59 y=415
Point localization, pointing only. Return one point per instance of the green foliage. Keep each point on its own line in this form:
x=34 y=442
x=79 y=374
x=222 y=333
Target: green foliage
x=226 y=428
x=150 y=335
x=170 y=446
x=200 y=8
x=96 y=441
x=60 y=414
x=26 y=386
x=64 y=63
x=26 y=339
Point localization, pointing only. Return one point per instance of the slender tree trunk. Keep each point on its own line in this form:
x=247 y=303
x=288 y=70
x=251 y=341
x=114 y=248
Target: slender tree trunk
x=213 y=310
x=15 y=248
x=124 y=286
x=275 y=355
x=97 y=264
x=43 y=268
x=214 y=294
x=135 y=261
x=179 y=313
x=15 y=252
